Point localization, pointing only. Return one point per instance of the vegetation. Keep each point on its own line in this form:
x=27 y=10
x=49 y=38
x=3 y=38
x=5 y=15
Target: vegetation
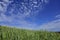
x=7 y=33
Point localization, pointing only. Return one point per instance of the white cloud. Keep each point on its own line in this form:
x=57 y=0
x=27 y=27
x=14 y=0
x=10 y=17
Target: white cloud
x=5 y=18
x=21 y=16
x=3 y=5
x=46 y=1
x=51 y=26
x=28 y=25
x=21 y=23
x=58 y=16
x=27 y=12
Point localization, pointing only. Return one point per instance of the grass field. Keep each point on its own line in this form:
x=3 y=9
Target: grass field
x=7 y=33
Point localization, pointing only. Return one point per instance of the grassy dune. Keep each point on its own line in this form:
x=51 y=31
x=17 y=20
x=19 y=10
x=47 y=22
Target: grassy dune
x=7 y=33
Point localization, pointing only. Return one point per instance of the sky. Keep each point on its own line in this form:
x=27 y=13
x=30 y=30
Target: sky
x=31 y=14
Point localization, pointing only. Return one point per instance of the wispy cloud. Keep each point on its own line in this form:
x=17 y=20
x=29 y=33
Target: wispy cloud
x=58 y=16
x=27 y=11
x=17 y=15
x=51 y=26
x=3 y=5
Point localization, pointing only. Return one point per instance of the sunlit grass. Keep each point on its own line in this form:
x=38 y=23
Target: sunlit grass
x=7 y=33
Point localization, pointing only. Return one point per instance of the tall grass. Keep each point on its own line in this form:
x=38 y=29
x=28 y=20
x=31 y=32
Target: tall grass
x=7 y=33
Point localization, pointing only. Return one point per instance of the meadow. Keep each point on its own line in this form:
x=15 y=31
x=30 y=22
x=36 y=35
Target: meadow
x=8 y=33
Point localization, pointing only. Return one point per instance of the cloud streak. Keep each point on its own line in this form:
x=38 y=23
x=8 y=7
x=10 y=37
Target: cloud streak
x=51 y=26
x=14 y=14
x=58 y=16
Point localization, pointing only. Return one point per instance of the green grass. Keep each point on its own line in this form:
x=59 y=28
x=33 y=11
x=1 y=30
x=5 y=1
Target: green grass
x=7 y=33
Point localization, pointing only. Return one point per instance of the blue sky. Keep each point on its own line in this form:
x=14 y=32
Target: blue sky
x=31 y=14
